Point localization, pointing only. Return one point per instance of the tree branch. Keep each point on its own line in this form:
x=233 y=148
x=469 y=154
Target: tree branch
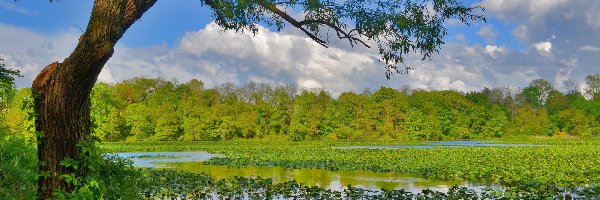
x=294 y=22
x=342 y=34
x=339 y=31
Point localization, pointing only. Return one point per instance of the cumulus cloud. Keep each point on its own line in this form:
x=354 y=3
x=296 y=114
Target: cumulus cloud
x=217 y=57
x=494 y=50
x=543 y=48
x=29 y=51
x=559 y=50
x=566 y=30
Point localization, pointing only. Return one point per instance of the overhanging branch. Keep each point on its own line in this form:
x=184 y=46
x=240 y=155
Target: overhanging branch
x=341 y=33
x=294 y=22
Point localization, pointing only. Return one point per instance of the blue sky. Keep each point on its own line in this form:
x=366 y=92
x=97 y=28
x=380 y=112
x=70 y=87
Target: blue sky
x=523 y=40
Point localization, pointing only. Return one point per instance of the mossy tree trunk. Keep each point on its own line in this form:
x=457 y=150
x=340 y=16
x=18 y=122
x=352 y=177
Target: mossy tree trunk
x=62 y=90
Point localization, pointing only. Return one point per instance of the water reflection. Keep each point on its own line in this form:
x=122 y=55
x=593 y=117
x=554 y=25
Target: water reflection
x=149 y=159
x=334 y=180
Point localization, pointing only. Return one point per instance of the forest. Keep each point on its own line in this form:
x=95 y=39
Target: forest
x=154 y=109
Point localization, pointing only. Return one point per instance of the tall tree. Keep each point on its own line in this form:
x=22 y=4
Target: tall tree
x=7 y=76
x=62 y=89
x=592 y=83
x=544 y=87
x=7 y=90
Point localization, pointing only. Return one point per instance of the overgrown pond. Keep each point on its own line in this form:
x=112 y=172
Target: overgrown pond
x=333 y=180
x=442 y=144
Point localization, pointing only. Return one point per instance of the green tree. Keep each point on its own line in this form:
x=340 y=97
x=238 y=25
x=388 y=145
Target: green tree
x=139 y=122
x=7 y=76
x=167 y=125
x=192 y=111
x=530 y=121
x=544 y=87
x=20 y=116
x=530 y=96
x=421 y=126
x=115 y=127
x=480 y=98
x=7 y=90
x=592 y=83
x=103 y=101
x=495 y=122
x=573 y=121
x=556 y=102
x=280 y=119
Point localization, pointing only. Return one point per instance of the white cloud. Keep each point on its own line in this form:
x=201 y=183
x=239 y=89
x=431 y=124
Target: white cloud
x=519 y=9
x=589 y=48
x=106 y=76
x=543 y=48
x=310 y=84
x=29 y=51
x=495 y=51
x=217 y=57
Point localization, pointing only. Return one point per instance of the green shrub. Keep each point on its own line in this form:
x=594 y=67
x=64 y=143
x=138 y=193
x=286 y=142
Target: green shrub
x=108 y=176
x=18 y=168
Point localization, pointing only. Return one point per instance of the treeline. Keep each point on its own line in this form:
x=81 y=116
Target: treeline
x=144 y=109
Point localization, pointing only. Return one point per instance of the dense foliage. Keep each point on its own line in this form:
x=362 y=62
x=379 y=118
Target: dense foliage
x=143 y=109
x=18 y=168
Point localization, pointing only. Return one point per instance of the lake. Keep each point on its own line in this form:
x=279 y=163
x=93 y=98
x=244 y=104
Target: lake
x=334 y=180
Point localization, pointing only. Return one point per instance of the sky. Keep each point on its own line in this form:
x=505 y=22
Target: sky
x=522 y=40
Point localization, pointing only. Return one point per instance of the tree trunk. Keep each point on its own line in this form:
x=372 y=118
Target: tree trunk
x=62 y=90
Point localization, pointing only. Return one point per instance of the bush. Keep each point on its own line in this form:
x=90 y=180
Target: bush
x=18 y=168
x=108 y=177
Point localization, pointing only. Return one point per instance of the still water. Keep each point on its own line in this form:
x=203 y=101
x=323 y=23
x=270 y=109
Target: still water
x=334 y=180
x=150 y=159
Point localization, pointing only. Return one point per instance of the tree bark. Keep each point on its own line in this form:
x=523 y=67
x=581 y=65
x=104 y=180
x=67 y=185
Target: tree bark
x=62 y=90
